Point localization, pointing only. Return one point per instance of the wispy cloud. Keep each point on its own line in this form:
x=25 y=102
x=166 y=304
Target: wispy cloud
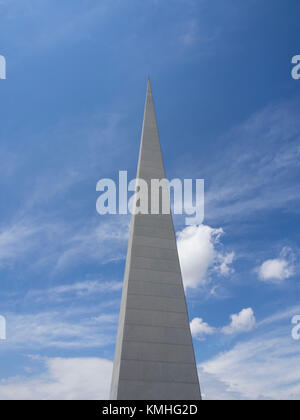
x=262 y=367
x=104 y=242
x=16 y=241
x=192 y=35
x=280 y=316
x=76 y=315
x=97 y=240
x=258 y=166
x=77 y=26
x=60 y=329
x=78 y=290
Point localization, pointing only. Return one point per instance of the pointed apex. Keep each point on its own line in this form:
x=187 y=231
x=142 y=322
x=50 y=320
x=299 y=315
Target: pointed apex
x=149 y=85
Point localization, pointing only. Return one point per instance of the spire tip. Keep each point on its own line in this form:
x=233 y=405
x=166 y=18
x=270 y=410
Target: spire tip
x=149 y=84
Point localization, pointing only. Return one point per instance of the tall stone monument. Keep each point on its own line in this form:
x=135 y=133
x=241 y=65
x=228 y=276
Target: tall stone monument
x=154 y=356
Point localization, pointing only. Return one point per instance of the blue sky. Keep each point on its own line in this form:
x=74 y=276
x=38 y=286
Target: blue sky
x=71 y=113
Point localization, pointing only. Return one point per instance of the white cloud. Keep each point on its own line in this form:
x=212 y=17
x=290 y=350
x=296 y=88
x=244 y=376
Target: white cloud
x=64 y=379
x=243 y=321
x=277 y=269
x=197 y=248
x=201 y=329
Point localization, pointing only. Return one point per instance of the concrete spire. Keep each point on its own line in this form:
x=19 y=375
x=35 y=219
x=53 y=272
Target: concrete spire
x=154 y=356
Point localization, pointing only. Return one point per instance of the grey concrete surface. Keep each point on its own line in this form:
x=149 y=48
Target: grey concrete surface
x=154 y=356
